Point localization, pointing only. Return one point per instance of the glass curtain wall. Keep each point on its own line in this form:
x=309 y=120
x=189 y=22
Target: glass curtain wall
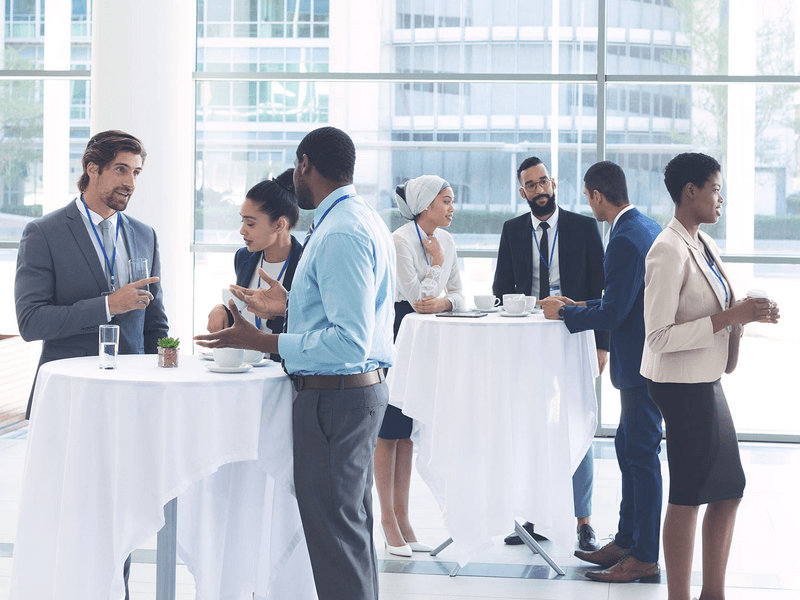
x=468 y=89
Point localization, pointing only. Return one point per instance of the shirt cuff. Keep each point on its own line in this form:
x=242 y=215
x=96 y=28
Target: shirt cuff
x=108 y=312
x=289 y=345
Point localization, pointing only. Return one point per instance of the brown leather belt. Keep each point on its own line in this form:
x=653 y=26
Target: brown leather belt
x=337 y=382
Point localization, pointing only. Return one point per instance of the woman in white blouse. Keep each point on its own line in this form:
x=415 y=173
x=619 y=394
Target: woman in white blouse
x=428 y=281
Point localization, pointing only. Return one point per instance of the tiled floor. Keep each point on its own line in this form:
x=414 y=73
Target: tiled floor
x=762 y=564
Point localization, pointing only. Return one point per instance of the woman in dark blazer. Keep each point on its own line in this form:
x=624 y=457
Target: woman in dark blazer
x=269 y=213
x=693 y=324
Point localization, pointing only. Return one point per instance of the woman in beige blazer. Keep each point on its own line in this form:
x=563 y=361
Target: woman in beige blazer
x=693 y=325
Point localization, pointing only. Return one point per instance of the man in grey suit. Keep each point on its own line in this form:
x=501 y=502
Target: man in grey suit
x=72 y=264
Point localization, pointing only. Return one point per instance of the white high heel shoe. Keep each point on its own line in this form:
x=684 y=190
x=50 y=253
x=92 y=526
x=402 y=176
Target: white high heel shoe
x=419 y=547
x=404 y=550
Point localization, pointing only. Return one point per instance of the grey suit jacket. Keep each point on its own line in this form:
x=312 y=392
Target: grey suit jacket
x=60 y=282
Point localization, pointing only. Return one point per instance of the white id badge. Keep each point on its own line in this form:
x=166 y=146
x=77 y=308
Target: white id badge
x=555 y=291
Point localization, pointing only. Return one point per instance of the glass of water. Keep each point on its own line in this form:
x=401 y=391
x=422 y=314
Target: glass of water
x=109 y=346
x=137 y=270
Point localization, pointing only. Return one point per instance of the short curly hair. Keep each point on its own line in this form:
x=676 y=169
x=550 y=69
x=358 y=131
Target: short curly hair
x=689 y=167
x=332 y=153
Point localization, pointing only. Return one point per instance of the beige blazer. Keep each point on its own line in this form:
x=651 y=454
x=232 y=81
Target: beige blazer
x=681 y=293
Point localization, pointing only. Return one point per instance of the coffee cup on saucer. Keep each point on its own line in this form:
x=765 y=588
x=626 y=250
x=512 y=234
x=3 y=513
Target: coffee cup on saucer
x=530 y=303
x=228 y=358
x=486 y=301
x=507 y=297
x=514 y=306
x=253 y=357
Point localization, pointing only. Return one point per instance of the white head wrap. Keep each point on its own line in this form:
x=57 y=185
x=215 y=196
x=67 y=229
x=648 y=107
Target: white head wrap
x=417 y=194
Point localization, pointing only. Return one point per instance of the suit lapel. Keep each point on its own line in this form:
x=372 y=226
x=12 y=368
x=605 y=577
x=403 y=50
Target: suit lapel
x=699 y=259
x=78 y=229
x=526 y=235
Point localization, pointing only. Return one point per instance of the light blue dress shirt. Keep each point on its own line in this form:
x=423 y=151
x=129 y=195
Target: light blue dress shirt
x=341 y=307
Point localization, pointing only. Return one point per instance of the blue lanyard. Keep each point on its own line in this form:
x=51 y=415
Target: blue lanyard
x=710 y=263
x=325 y=214
x=258 y=287
x=547 y=263
x=419 y=235
x=113 y=260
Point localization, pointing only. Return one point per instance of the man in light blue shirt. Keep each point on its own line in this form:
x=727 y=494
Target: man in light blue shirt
x=338 y=342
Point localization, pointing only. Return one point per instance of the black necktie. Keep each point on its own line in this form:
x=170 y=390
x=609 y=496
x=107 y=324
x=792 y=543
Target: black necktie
x=544 y=271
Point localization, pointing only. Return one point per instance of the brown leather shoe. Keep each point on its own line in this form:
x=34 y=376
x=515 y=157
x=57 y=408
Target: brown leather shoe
x=626 y=570
x=607 y=556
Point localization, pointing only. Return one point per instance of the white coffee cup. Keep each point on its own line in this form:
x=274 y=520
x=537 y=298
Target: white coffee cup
x=486 y=302
x=228 y=357
x=757 y=294
x=514 y=306
x=530 y=303
x=507 y=297
x=253 y=357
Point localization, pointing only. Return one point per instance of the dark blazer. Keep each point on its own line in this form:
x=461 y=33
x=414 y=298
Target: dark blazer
x=60 y=283
x=580 y=260
x=621 y=309
x=245 y=263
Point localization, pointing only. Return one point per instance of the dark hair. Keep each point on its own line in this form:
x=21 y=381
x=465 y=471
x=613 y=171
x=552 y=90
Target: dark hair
x=275 y=197
x=103 y=147
x=332 y=153
x=689 y=167
x=608 y=178
x=529 y=162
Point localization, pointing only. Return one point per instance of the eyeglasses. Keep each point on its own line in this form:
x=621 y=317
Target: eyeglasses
x=544 y=183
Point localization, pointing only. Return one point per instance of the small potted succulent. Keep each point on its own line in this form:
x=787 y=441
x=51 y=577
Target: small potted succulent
x=168 y=352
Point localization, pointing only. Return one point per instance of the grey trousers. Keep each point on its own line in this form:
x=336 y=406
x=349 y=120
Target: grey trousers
x=335 y=432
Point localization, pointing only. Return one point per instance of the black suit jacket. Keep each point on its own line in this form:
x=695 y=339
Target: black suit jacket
x=580 y=260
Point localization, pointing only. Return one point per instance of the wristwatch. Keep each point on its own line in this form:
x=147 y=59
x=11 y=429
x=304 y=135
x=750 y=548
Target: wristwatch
x=561 y=313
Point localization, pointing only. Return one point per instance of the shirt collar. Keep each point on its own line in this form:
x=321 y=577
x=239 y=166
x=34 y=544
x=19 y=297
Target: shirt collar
x=622 y=212
x=96 y=219
x=330 y=199
x=552 y=221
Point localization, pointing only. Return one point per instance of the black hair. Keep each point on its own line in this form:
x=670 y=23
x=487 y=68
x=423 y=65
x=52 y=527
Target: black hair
x=529 y=162
x=275 y=197
x=608 y=178
x=332 y=153
x=103 y=147
x=689 y=167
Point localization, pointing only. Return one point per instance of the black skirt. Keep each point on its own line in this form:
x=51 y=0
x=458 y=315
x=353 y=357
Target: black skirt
x=702 y=449
x=397 y=426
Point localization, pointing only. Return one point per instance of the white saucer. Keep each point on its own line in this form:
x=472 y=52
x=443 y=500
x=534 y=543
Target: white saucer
x=490 y=310
x=505 y=314
x=265 y=362
x=206 y=355
x=239 y=369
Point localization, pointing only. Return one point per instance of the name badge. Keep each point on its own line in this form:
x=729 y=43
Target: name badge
x=555 y=291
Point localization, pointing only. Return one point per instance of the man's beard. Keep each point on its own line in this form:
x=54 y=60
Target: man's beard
x=548 y=208
x=305 y=199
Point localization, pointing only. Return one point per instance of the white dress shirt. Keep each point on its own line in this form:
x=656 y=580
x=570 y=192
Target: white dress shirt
x=555 y=275
x=121 y=262
x=416 y=278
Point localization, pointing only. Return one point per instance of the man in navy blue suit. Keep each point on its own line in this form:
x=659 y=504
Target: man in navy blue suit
x=633 y=553
x=551 y=251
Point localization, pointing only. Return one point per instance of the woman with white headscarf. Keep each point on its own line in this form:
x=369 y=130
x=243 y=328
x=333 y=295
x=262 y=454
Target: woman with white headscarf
x=428 y=281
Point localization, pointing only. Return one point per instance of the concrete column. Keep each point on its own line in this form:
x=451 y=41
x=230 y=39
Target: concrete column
x=143 y=56
x=55 y=152
x=741 y=171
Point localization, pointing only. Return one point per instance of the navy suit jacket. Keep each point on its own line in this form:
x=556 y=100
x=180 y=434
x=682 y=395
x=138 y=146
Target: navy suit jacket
x=580 y=260
x=245 y=264
x=60 y=282
x=621 y=309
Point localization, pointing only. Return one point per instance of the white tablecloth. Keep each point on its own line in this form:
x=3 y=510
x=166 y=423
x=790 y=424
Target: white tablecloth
x=504 y=411
x=108 y=449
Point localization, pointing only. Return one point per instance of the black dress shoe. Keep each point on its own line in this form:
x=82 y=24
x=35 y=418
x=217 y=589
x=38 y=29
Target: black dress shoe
x=586 y=539
x=512 y=539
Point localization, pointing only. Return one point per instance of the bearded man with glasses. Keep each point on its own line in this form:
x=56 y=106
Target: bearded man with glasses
x=554 y=252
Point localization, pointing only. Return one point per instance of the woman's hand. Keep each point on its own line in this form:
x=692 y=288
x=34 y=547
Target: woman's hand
x=746 y=310
x=437 y=254
x=430 y=305
x=217 y=319
x=266 y=303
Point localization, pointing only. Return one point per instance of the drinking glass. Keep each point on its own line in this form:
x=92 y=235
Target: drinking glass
x=109 y=346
